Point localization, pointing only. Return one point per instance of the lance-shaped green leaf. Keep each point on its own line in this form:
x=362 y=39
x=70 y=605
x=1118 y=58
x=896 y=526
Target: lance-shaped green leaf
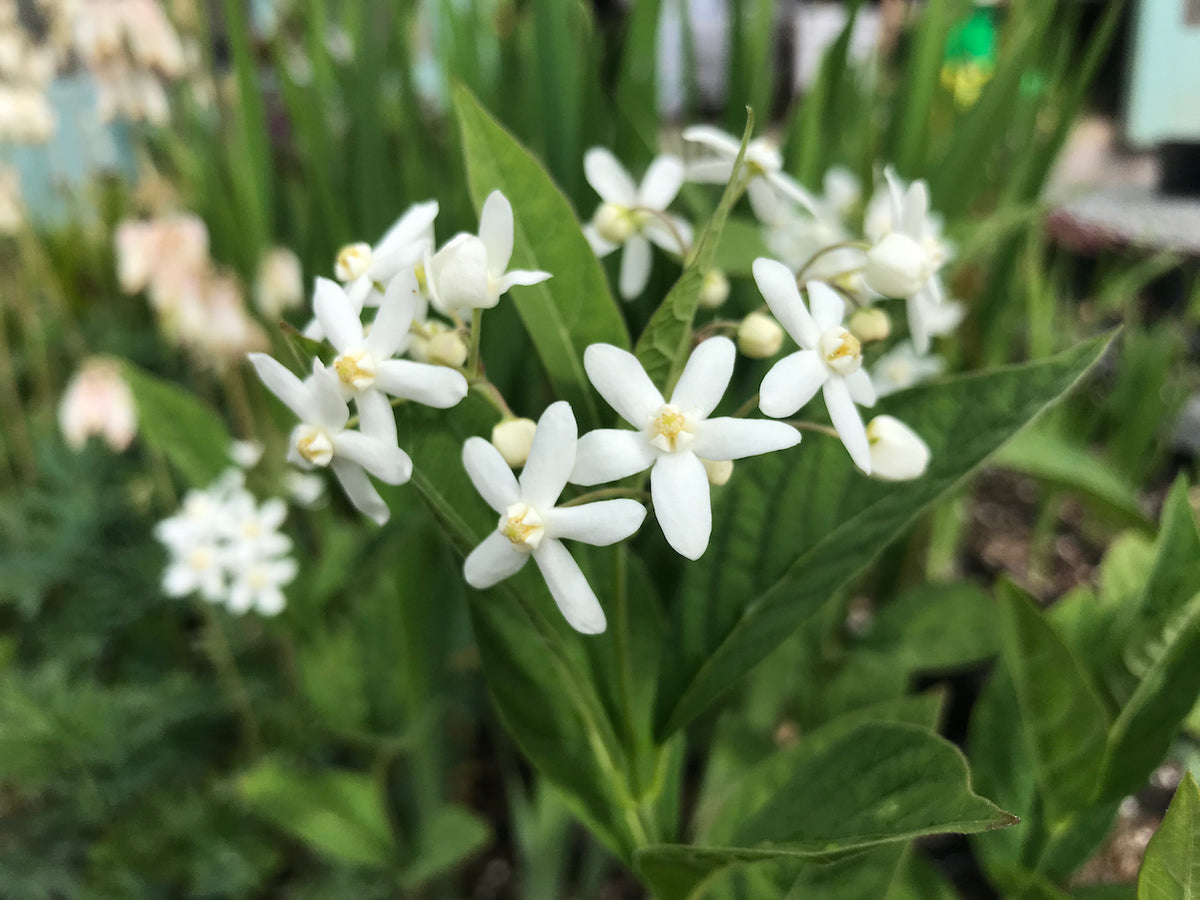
x=1060 y=710
x=572 y=309
x=663 y=347
x=879 y=783
x=1171 y=866
x=793 y=527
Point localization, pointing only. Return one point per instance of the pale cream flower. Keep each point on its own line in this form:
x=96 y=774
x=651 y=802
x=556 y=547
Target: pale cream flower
x=98 y=401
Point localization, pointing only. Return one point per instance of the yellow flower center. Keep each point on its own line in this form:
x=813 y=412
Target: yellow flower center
x=841 y=351
x=315 y=446
x=352 y=261
x=356 y=370
x=522 y=525
x=671 y=429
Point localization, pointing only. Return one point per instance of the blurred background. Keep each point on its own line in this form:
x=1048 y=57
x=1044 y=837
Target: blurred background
x=148 y=749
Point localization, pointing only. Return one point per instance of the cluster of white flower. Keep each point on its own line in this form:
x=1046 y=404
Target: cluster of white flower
x=227 y=547
x=26 y=69
x=425 y=297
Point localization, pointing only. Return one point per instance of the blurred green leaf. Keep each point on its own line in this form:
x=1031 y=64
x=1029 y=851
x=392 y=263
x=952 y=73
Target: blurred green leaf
x=934 y=627
x=446 y=839
x=1171 y=867
x=741 y=243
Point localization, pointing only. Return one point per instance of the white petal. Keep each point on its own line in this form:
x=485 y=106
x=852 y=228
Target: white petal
x=914 y=210
x=389 y=331
x=623 y=383
x=661 y=183
x=791 y=188
x=179 y=580
x=721 y=141
x=357 y=292
x=897 y=452
x=777 y=284
x=791 y=383
x=862 y=391
x=600 y=524
x=283 y=383
x=270 y=602
x=328 y=407
x=729 y=438
x=337 y=316
x=490 y=474
x=705 y=377
x=847 y=422
x=915 y=313
x=360 y=491
x=767 y=206
x=435 y=386
x=610 y=454
x=679 y=488
x=676 y=240
x=459 y=275
x=608 y=177
x=895 y=190
x=575 y=598
x=496 y=232
x=375 y=416
x=600 y=246
x=711 y=171
x=828 y=307
x=415 y=225
x=636 y=262
x=387 y=463
x=551 y=457
x=492 y=561
x=521 y=277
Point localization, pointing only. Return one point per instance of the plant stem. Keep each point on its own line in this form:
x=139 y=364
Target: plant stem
x=220 y=653
x=625 y=661
x=607 y=494
x=669 y=225
x=746 y=408
x=801 y=425
x=476 y=339
x=841 y=245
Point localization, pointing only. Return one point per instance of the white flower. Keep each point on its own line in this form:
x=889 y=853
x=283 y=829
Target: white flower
x=365 y=367
x=514 y=439
x=532 y=525
x=198 y=569
x=843 y=192
x=98 y=401
x=897 y=452
x=830 y=357
x=253 y=528
x=321 y=438
x=469 y=272
x=279 y=284
x=257 y=584
x=768 y=182
x=902 y=367
x=674 y=438
x=634 y=216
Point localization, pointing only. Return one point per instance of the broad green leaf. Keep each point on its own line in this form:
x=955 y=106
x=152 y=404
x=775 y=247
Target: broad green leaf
x=880 y=783
x=1064 y=717
x=934 y=627
x=867 y=874
x=663 y=346
x=574 y=308
x=1168 y=689
x=636 y=96
x=174 y=423
x=793 y=527
x=1175 y=577
x=443 y=841
x=741 y=243
x=1171 y=866
x=918 y=879
x=339 y=814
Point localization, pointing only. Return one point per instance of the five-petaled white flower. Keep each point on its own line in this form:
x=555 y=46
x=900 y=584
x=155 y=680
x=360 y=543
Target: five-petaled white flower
x=635 y=215
x=764 y=163
x=469 y=271
x=532 y=525
x=830 y=357
x=321 y=439
x=365 y=367
x=672 y=437
x=257 y=583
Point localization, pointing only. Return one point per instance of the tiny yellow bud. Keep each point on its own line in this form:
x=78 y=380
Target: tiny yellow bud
x=718 y=470
x=614 y=223
x=513 y=438
x=870 y=325
x=447 y=349
x=714 y=290
x=759 y=336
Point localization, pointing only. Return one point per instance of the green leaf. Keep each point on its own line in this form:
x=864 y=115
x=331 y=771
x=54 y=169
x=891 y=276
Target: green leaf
x=636 y=94
x=934 y=627
x=663 y=346
x=880 y=783
x=1176 y=573
x=793 y=527
x=339 y=814
x=1171 y=866
x=174 y=423
x=1064 y=717
x=445 y=839
x=741 y=243
x=574 y=308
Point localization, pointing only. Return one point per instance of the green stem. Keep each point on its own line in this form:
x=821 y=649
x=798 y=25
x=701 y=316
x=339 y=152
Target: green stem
x=746 y=408
x=492 y=395
x=476 y=339
x=801 y=425
x=669 y=225
x=624 y=659
x=606 y=494
x=220 y=653
x=841 y=245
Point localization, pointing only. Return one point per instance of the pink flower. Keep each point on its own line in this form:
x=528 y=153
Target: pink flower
x=99 y=402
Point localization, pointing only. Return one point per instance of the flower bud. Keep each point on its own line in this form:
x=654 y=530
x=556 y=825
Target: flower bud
x=897 y=266
x=718 y=470
x=897 y=452
x=246 y=454
x=870 y=325
x=447 y=349
x=99 y=402
x=513 y=438
x=459 y=275
x=353 y=260
x=613 y=223
x=714 y=290
x=759 y=336
x=279 y=284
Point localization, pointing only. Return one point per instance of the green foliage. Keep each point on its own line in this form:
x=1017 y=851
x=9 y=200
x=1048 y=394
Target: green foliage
x=1171 y=867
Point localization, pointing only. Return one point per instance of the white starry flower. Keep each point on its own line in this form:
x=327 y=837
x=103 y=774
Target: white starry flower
x=470 y=271
x=902 y=367
x=321 y=439
x=673 y=438
x=258 y=583
x=365 y=269
x=768 y=185
x=634 y=216
x=531 y=525
x=198 y=569
x=253 y=528
x=897 y=452
x=829 y=359
x=365 y=367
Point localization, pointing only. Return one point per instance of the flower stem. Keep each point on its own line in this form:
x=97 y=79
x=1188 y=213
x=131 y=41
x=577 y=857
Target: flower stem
x=221 y=655
x=624 y=660
x=607 y=494
x=746 y=408
x=802 y=425
x=669 y=225
x=492 y=394
x=476 y=337
x=841 y=245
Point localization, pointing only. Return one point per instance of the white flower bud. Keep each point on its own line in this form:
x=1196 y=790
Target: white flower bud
x=897 y=452
x=246 y=454
x=718 y=470
x=353 y=260
x=898 y=266
x=614 y=223
x=459 y=274
x=279 y=284
x=447 y=349
x=99 y=402
x=513 y=438
x=870 y=325
x=759 y=336
x=714 y=290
